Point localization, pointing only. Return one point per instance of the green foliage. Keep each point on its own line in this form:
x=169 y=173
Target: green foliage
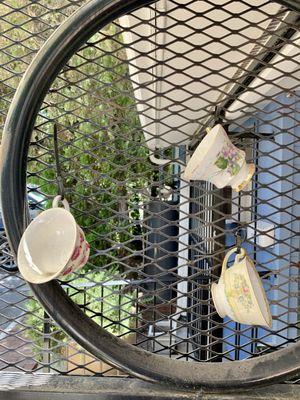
x=106 y=304
x=92 y=103
x=25 y=26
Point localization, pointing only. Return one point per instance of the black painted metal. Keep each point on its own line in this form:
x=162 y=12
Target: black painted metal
x=162 y=223
x=58 y=49
x=291 y=4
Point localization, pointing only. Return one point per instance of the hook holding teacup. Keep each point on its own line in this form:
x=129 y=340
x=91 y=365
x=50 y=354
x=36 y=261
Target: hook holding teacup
x=217 y=118
x=218 y=115
x=240 y=237
x=59 y=179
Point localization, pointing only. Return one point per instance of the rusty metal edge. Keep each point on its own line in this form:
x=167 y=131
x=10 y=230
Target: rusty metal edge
x=16 y=385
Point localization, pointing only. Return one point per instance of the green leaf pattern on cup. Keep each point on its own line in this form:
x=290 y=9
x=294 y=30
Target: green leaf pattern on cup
x=243 y=292
x=229 y=159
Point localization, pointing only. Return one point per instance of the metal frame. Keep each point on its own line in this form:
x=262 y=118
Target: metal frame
x=19 y=124
x=45 y=386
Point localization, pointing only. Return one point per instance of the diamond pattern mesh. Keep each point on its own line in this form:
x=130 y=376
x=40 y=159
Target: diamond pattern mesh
x=130 y=108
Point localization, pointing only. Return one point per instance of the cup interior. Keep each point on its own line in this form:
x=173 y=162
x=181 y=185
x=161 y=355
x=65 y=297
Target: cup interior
x=47 y=245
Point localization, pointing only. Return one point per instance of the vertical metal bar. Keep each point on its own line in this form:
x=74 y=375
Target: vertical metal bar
x=183 y=254
x=102 y=303
x=219 y=208
x=119 y=303
x=254 y=331
x=47 y=343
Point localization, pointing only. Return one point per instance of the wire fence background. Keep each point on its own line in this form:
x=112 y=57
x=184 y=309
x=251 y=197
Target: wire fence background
x=158 y=241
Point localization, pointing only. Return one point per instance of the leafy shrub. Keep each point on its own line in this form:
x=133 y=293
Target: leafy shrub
x=102 y=183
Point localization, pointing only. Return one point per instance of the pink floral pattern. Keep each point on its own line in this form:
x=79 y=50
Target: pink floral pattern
x=67 y=271
x=229 y=159
x=80 y=255
x=76 y=253
x=243 y=292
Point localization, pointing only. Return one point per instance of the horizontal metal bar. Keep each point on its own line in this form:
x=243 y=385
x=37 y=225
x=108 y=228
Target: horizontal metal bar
x=15 y=386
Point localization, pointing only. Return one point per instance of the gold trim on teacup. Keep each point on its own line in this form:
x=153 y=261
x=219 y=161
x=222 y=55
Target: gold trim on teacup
x=245 y=182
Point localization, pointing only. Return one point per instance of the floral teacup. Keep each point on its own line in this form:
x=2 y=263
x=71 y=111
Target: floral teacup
x=52 y=245
x=239 y=293
x=218 y=161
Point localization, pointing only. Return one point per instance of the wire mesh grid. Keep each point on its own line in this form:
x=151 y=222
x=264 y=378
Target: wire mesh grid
x=130 y=108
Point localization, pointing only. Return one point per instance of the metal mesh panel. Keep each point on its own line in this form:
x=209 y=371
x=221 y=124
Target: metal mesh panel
x=130 y=108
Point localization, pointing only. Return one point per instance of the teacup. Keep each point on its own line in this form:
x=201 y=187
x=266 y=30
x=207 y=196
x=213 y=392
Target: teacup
x=218 y=161
x=239 y=293
x=52 y=245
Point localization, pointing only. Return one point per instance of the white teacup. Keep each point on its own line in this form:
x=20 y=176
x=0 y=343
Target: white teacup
x=52 y=245
x=218 y=161
x=239 y=293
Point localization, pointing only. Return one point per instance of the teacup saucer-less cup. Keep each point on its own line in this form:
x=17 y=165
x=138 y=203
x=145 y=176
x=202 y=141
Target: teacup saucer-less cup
x=52 y=245
x=218 y=161
x=239 y=294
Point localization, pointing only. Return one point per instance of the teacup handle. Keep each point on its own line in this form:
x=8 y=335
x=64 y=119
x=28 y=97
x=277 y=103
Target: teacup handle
x=58 y=199
x=241 y=255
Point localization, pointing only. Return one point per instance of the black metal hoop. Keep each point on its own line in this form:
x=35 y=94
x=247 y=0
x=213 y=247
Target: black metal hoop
x=20 y=121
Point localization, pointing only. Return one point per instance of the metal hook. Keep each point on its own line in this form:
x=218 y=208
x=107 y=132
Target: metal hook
x=218 y=115
x=216 y=119
x=60 y=185
x=240 y=237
